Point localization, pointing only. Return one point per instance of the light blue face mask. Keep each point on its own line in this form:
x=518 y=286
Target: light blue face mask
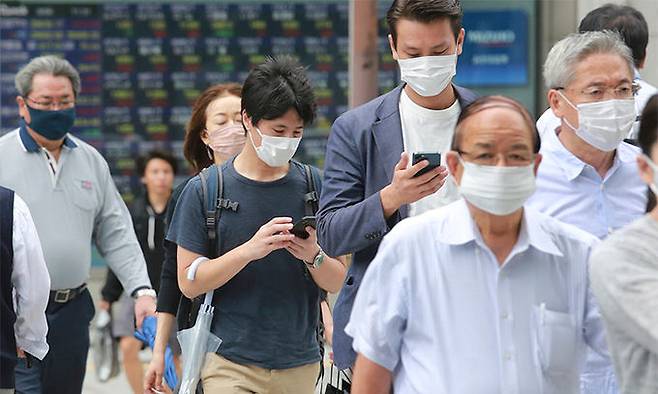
x=654 y=167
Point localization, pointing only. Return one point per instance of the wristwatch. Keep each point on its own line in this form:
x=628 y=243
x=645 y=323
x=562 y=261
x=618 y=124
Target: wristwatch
x=144 y=292
x=317 y=260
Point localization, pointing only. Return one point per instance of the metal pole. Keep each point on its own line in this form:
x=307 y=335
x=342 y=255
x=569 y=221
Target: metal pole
x=363 y=63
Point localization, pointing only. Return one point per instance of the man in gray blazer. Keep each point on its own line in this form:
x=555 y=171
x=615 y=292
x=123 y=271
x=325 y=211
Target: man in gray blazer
x=370 y=183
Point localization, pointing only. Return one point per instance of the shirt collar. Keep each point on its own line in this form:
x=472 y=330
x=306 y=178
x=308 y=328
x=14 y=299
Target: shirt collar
x=30 y=145
x=637 y=73
x=570 y=164
x=461 y=229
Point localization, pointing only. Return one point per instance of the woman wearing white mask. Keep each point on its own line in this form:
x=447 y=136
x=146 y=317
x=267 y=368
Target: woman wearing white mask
x=624 y=277
x=267 y=281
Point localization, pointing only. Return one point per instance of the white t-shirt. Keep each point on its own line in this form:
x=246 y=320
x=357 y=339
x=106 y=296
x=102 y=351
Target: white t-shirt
x=427 y=130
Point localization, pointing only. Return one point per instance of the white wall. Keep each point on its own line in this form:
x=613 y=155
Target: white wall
x=561 y=17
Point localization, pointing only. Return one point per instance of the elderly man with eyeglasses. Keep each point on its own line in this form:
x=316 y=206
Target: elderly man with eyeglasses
x=68 y=188
x=588 y=176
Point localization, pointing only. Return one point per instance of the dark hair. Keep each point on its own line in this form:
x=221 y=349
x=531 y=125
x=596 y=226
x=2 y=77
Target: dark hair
x=143 y=161
x=195 y=151
x=276 y=86
x=648 y=136
x=487 y=102
x=424 y=11
x=625 y=20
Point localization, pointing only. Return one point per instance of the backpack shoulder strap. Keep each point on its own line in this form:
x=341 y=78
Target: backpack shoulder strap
x=212 y=187
x=311 y=198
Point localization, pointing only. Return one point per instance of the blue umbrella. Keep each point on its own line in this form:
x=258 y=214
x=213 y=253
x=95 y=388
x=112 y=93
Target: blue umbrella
x=147 y=335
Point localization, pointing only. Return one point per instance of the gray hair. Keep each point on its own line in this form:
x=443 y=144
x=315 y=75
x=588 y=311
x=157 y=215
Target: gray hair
x=51 y=65
x=574 y=48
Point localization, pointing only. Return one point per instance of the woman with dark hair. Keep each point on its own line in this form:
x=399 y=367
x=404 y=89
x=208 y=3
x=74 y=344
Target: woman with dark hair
x=213 y=134
x=624 y=275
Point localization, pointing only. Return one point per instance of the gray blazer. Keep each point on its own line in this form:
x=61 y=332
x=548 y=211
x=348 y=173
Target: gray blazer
x=363 y=148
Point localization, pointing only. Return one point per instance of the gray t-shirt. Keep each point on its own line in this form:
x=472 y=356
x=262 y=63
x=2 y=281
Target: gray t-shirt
x=267 y=314
x=624 y=275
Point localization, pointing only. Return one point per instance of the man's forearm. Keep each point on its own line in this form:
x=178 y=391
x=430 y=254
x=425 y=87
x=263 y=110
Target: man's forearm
x=330 y=275
x=211 y=274
x=370 y=377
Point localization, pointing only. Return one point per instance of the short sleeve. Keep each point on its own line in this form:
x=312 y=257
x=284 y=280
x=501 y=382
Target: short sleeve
x=379 y=315
x=187 y=228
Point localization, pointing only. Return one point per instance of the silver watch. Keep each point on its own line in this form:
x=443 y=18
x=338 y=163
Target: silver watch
x=145 y=292
x=317 y=260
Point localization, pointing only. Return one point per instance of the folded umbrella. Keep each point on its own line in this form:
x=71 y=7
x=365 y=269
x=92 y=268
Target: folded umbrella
x=197 y=340
x=147 y=335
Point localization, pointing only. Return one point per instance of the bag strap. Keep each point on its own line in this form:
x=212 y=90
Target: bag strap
x=212 y=187
x=311 y=197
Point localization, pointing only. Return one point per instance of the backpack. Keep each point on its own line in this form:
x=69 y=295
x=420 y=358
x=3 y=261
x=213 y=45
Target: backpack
x=212 y=187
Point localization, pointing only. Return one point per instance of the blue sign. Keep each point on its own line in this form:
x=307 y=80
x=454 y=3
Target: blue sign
x=495 y=49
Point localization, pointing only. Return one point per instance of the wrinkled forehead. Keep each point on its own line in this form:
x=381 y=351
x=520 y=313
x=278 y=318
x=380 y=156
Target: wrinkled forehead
x=601 y=69
x=496 y=127
x=49 y=85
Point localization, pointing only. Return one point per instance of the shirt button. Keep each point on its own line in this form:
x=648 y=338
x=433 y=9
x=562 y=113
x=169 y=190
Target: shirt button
x=505 y=316
x=508 y=356
x=610 y=230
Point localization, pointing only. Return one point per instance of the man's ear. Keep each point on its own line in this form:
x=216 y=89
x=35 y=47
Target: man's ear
x=391 y=44
x=460 y=41
x=538 y=159
x=646 y=172
x=454 y=166
x=22 y=109
x=554 y=100
x=246 y=120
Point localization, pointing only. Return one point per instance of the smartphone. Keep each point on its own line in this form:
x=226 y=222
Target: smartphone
x=299 y=229
x=433 y=158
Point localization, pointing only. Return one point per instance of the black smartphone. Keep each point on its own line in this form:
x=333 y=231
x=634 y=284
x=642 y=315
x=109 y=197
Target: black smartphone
x=299 y=229
x=433 y=158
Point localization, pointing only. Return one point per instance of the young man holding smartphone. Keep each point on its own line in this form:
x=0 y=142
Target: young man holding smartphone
x=267 y=281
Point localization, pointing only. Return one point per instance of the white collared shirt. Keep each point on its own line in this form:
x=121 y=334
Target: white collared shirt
x=31 y=283
x=437 y=309
x=573 y=192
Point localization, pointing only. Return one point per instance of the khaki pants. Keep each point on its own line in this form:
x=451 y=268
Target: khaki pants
x=220 y=375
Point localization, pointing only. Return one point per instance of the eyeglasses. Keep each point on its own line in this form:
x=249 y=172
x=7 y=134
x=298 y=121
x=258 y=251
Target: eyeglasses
x=512 y=159
x=49 y=104
x=598 y=93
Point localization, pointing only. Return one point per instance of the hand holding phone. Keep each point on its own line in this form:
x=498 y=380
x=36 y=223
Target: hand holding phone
x=299 y=229
x=433 y=158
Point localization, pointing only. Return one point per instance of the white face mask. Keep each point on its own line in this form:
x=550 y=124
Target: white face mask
x=428 y=75
x=603 y=124
x=275 y=151
x=495 y=189
x=654 y=185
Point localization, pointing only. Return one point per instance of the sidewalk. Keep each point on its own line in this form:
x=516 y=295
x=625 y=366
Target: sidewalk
x=118 y=384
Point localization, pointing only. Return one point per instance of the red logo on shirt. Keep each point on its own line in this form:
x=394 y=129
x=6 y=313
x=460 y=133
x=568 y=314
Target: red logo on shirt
x=86 y=185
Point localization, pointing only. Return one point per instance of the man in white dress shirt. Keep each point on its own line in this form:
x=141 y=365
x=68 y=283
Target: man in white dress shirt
x=588 y=176
x=483 y=295
x=24 y=289
x=634 y=30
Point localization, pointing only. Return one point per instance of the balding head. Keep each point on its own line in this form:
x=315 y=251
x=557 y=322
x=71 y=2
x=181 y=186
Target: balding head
x=494 y=130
